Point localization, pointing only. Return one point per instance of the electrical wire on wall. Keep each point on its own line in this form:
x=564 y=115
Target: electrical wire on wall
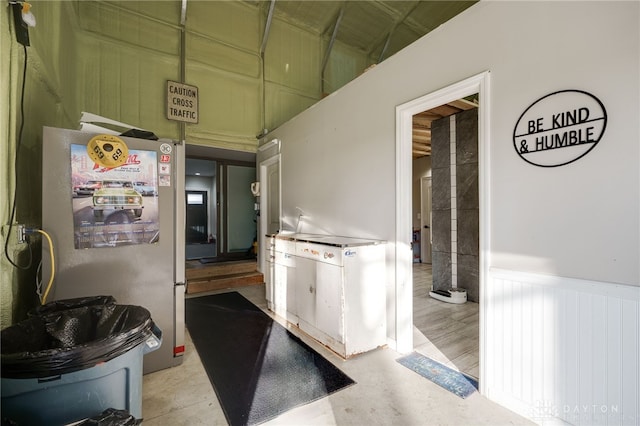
x=43 y=296
x=22 y=19
x=15 y=170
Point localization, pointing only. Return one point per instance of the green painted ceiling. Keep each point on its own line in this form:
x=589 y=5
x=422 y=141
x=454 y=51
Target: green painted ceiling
x=257 y=64
x=362 y=24
x=366 y=25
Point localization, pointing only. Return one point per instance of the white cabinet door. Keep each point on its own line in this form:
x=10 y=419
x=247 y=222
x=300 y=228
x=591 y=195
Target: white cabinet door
x=291 y=290
x=269 y=281
x=280 y=289
x=284 y=288
x=269 y=273
x=306 y=290
x=330 y=300
x=335 y=294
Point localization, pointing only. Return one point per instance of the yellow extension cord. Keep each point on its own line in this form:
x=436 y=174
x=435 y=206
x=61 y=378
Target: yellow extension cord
x=53 y=266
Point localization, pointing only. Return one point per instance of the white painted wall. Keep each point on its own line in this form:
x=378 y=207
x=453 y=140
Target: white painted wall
x=578 y=223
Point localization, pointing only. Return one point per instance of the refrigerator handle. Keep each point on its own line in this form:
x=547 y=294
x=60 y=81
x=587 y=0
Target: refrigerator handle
x=179 y=244
x=180 y=212
x=178 y=346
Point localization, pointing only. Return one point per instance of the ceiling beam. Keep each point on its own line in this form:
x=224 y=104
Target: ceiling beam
x=333 y=39
x=463 y=104
x=325 y=61
x=183 y=13
x=397 y=21
x=422 y=146
x=267 y=28
x=386 y=45
x=421 y=127
x=421 y=131
x=427 y=116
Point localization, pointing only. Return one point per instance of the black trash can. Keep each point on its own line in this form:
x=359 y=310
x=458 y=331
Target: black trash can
x=73 y=359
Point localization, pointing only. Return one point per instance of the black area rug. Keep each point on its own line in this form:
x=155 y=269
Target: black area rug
x=258 y=369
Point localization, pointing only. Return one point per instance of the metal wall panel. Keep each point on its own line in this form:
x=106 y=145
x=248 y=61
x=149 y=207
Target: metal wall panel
x=282 y=104
x=234 y=23
x=220 y=56
x=293 y=58
x=114 y=81
x=345 y=64
x=129 y=26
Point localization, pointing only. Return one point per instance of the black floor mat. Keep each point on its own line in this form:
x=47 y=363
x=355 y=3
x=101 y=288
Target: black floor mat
x=258 y=368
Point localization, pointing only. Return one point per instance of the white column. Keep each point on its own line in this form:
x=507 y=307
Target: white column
x=454 y=214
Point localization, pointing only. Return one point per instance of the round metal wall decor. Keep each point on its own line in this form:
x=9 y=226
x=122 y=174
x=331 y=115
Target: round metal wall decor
x=559 y=128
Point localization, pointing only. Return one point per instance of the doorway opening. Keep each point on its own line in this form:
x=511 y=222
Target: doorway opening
x=197 y=218
x=220 y=210
x=445 y=208
x=220 y=179
x=201 y=208
x=408 y=219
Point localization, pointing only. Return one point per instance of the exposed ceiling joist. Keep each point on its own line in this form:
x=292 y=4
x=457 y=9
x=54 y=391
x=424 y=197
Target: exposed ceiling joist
x=334 y=34
x=183 y=13
x=401 y=20
x=370 y=25
x=421 y=131
x=267 y=28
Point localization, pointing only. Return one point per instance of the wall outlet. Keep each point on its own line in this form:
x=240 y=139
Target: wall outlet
x=21 y=234
x=18 y=230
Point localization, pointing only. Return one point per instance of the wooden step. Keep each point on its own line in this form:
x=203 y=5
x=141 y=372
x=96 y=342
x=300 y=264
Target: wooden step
x=210 y=270
x=224 y=282
x=220 y=276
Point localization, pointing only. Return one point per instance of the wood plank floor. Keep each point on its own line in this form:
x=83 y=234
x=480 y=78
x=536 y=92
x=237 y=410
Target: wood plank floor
x=445 y=332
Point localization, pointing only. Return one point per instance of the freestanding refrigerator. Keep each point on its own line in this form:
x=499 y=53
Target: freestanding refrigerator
x=117 y=226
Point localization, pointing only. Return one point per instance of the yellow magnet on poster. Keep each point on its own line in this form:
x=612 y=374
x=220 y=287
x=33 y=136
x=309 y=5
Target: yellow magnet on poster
x=108 y=150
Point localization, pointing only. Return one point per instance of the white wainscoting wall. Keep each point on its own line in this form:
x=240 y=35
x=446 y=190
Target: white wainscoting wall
x=561 y=349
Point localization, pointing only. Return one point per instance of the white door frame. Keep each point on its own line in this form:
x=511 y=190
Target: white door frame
x=403 y=253
x=264 y=213
x=425 y=182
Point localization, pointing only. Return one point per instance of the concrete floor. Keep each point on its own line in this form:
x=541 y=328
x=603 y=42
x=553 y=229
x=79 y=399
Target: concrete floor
x=385 y=392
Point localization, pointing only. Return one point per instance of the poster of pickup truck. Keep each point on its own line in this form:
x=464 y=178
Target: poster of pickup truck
x=114 y=206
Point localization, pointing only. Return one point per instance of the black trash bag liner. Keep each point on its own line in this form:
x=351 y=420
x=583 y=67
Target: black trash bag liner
x=61 y=341
x=63 y=305
x=112 y=417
